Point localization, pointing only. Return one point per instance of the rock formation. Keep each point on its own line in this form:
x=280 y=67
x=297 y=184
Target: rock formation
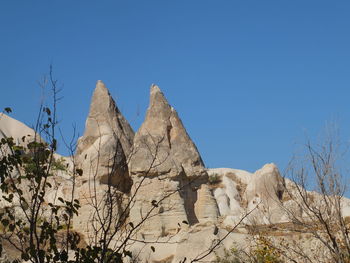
x=182 y=209
x=266 y=189
x=10 y=127
x=266 y=184
x=240 y=191
x=103 y=149
x=165 y=157
x=102 y=154
x=162 y=145
x=205 y=207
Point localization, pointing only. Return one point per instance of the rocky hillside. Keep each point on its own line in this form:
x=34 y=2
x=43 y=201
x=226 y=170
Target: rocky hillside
x=160 y=184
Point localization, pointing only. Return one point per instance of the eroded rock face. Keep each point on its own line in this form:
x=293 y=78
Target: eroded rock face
x=206 y=208
x=188 y=213
x=10 y=127
x=265 y=190
x=266 y=183
x=260 y=192
x=102 y=154
x=168 y=166
x=107 y=141
x=166 y=207
x=162 y=145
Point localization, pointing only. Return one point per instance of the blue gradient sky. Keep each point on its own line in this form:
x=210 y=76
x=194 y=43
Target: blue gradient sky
x=248 y=78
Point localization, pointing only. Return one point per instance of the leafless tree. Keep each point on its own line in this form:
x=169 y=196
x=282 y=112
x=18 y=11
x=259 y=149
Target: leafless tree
x=318 y=227
x=33 y=224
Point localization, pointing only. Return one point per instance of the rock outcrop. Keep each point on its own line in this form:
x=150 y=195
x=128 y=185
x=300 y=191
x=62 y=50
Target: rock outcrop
x=165 y=157
x=266 y=184
x=102 y=154
x=162 y=145
x=10 y=127
x=266 y=190
x=107 y=141
x=240 y=191
x=175 y=208
x=205 y=207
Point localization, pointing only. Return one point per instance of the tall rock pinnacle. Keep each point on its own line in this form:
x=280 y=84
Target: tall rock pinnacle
x=163 y=149
x=163 y=144
x=106 y=143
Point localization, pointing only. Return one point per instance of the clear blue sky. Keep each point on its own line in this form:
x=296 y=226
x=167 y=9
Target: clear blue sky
x=248 y=78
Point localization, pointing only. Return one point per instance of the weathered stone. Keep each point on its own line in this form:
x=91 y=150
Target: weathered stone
x=206 y=208
x=164 y=203
x=169 y=194
x=240 y=191
x=107 y=141
x=10 y=127
x=264 y=192
x=102 y=154
x=162 y=145
x=266 y=183
x=167 y=166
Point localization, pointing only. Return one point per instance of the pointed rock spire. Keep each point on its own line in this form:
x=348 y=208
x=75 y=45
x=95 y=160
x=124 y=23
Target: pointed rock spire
x=106 y=142
x=163 y=144
x=105 y=118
